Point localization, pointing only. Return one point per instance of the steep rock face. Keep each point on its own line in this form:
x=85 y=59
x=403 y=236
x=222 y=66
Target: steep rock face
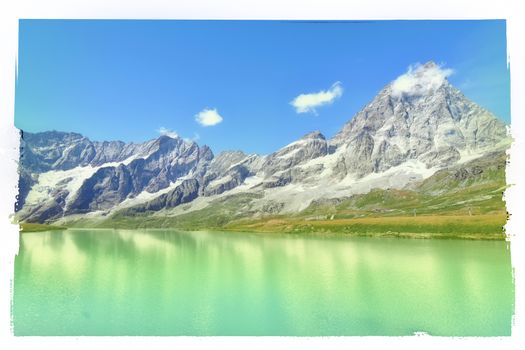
x=229 y=170
x=187 y=191
x=435 y=126
x=115 y=151
x=224 y=173
x=47 y=160
x=55 y=150
x=232 y=178
x=51 y=150
x=310 y=146
x=225 y=160
x=45 y=211
x=107 y=187
x=169 y=159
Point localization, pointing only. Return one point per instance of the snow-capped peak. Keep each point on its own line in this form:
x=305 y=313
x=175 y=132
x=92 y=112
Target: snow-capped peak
x=420 y=80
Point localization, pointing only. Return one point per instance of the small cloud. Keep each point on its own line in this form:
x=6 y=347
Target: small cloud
x=192 y=139
x=165 y=131
x=305 y=103
x=420 y=79
x=173 y=134
x=208 y=117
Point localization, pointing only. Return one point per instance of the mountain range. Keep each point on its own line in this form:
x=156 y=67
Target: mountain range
x=408 y=141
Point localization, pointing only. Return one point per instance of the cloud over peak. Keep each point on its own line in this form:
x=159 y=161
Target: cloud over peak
x=208 y=117
x=167 y=132
x=305 y=103
x=420 y=79
x=173 y=134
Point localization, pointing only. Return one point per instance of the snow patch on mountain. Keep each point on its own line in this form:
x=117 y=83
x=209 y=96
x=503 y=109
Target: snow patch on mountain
x=420 y=80
x=65 y=180
x=297 y=197
x=68 y=180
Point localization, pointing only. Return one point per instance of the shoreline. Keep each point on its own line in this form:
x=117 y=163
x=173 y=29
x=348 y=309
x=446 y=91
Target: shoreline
x=34 y=227
x=319 y=234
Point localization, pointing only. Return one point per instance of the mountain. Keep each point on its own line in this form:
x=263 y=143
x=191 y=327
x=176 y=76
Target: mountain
x=437 y=127
x=402 y=138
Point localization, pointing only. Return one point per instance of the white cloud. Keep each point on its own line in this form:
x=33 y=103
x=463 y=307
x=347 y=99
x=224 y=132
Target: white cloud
x=173 y=134
x=192 y=139
x=305 y=103
x=208 y=117
x=165 y=131
x=420 y=80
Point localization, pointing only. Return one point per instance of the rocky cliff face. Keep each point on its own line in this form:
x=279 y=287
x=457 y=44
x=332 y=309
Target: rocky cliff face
x=55 y=150
x=310 y=146
x=401 y=135
x=187 y=191
x=285 y=166
x=435 y=126
x=109 y=172
x=228 y=171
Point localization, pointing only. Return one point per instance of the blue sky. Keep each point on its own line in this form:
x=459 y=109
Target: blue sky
x=126 y=80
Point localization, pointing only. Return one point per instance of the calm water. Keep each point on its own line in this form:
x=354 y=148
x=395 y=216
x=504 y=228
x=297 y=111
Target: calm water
x=161 y=282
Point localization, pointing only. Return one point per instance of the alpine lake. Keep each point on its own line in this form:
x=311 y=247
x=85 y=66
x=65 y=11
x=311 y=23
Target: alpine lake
x=166 y=282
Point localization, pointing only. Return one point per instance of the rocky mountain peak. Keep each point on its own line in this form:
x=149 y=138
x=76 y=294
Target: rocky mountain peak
x=419 y=115
x=430 y=65
x=314 y=135
x=419 y=81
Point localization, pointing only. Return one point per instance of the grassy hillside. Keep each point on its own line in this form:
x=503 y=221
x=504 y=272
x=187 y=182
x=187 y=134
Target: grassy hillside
x=30 y=227
x=458 y=226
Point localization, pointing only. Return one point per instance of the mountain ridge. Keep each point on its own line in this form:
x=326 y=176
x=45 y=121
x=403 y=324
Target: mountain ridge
x=395 y=140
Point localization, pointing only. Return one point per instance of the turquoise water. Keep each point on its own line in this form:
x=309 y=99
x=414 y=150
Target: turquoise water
x=162 y=282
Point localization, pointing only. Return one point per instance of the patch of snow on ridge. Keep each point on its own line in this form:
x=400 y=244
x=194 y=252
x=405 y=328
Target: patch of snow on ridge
x=395 y=177
x=245 y=159
x=289 y=154
x=251 y=181
x=66 y=180
x=146 y=196
x=141 y=198
x=220 y=181
x=328 y=162
x=69 y=180
x=297 y=197
x=468 y=156
x=300 y=142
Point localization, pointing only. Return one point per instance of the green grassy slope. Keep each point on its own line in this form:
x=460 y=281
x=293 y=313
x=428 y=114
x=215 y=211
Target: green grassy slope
x=30 y=227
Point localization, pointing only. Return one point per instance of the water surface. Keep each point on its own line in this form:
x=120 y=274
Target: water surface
x=164 y=282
